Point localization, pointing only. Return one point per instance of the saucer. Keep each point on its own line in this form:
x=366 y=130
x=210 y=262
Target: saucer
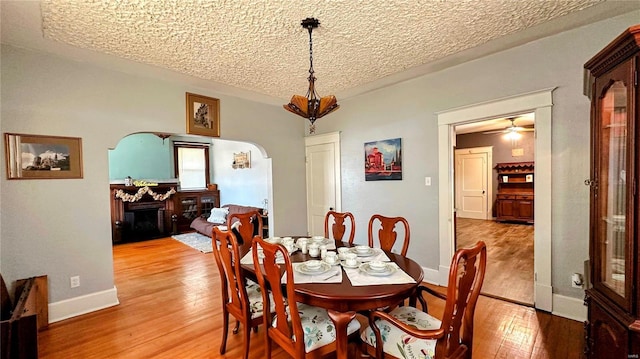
x=344 y=264
x=364 y=267
x=368 y=253
x=334 y=264
x=302 y=268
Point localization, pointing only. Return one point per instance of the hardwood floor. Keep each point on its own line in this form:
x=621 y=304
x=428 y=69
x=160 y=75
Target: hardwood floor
x=170 y=308
x=509 y=256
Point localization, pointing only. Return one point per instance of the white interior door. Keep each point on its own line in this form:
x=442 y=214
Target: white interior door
x=472 y=183
x=323 y=179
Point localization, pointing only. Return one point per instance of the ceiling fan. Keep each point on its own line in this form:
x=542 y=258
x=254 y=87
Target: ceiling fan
x=513 y=129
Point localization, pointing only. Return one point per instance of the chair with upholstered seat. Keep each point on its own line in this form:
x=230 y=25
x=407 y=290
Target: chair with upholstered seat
x=386 y=234
x=410 y=330
x=302 y=330
x=338 y=226
x=240 y=297
x=250 y=225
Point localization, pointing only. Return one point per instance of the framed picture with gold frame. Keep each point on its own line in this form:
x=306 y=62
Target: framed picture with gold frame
x=203 y=115
x=42 y=157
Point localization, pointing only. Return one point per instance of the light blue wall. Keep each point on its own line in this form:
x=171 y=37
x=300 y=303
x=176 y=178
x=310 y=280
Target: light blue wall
x=141 y=156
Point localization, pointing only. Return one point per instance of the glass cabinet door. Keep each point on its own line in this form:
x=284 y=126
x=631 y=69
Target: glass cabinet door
x=612 y=194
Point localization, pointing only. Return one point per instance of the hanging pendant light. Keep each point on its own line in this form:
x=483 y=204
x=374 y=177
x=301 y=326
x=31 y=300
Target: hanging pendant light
x=311 y=106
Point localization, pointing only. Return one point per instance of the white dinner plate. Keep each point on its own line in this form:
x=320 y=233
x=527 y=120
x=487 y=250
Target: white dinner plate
x=368 y=253
x=302 y=268
x=390 y=269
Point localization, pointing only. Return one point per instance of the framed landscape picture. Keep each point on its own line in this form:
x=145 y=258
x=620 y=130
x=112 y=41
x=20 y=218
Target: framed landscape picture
x=203 y=115
x=42 y=157
x=383 y=160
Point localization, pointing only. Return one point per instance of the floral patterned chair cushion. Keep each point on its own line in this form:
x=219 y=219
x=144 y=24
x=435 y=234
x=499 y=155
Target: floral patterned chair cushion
x=255 y=299
x=318 y=328
x=400 y=344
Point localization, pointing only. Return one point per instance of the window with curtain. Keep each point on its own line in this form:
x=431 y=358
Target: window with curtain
x=192 y=165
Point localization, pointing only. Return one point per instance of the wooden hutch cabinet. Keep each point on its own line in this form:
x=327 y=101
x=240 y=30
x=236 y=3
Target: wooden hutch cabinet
x=192 y=204
x=514 y=200
x=613 y=326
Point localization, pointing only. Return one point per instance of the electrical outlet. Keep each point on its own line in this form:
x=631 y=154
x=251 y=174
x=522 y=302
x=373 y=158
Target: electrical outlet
x=576 y=280
x=427 y=181
x=74 y=281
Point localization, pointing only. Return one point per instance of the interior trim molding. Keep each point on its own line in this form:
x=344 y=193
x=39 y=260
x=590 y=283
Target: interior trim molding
x=570 y=308
x=540 y=102
x=83 y=304
x=431 y=276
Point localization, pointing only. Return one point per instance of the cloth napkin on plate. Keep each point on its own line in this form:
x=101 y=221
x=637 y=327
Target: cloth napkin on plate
x=333 y=275
x=248 y=258
x=360 y=278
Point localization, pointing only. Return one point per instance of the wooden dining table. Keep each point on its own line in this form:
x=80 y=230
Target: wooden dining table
x=343 y=300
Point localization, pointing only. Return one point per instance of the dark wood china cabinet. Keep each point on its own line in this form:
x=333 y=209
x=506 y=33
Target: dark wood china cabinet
x=514 y=200
x=613 y=326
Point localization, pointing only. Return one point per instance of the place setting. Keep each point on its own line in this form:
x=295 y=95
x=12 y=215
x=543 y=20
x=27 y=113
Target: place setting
x=368 y=254
x=287 y=242
x=325 y=270
x=363 y=271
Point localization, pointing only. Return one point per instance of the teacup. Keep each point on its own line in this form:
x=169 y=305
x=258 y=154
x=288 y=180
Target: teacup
x=314 y=249
x=287 y=241
x=318 y=239
x=331 y=257
x=342 y=251
x=323 y=250
x=313 y=264
x=274 y=240
x=351 y=259
x=290 y=246
x=362 y=249
x=377 y=266
x=302 y=243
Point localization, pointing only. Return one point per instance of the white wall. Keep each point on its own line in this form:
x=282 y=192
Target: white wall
x=61 y=227
x=407 y=110
x=247 y=186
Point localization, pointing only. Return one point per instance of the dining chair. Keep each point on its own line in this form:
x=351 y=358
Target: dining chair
x=408 y=329
x=240 y=297
x=338 y=227
x=250 y=225
x=302 y=330
x=386 y=234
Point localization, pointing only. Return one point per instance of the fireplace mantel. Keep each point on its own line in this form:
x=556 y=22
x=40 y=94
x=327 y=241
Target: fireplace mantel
x=126 y=200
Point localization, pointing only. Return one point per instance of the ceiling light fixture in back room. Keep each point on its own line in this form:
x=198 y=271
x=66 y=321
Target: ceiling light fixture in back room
x=311 y=106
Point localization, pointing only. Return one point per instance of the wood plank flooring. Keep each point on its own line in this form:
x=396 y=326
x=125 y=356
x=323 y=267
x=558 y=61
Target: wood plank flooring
x=170 y=308
x=509 y=256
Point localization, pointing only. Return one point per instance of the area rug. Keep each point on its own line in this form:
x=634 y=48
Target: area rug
x=195 y=240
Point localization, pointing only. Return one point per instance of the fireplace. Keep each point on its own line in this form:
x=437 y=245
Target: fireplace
x=143 y=221
x=140 y=213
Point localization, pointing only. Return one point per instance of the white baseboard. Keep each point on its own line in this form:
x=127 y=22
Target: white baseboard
x=430 y=276
x=84 y=304
x=443 y=276
x=570 y=308
x=543 y=298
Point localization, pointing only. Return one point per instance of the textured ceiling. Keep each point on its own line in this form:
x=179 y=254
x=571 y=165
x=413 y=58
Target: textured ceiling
x=260 y=46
